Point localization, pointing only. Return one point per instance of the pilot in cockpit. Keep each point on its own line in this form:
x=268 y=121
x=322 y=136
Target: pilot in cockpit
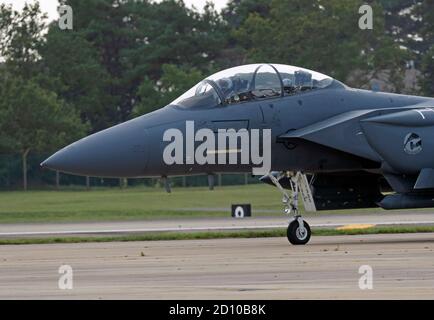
x=226 y=86
x=230 y=89
x=288 y=85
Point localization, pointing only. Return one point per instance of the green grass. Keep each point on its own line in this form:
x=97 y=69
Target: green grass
x=212 y=235
x=130 y=204
x=141 y=203
x=138 y=203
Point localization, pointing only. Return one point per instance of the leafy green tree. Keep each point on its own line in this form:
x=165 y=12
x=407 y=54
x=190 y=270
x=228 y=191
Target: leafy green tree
x=234 y=15
x=21 y=36
x=174 y=82
x=426 y=19
x=32 y=118
x=118 y=45
x=426 y=9
x=401 y=25
x=237 y=11
x=76 y=74
x=427 y=67
x=324 y=36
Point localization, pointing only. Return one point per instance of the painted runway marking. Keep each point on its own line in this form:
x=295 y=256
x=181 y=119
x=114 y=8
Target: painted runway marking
x=356 y=226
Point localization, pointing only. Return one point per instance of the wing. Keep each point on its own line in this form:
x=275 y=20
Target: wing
x=381 y=135
x=399 y=140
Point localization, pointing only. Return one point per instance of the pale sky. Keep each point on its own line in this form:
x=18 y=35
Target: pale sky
x=50 y=6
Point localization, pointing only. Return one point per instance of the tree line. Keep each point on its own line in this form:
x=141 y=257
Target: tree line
x=124 y=58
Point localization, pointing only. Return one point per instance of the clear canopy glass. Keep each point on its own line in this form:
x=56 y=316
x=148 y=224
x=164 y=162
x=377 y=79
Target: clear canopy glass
x=203 y=94
x=252 y=82
x=295 y=79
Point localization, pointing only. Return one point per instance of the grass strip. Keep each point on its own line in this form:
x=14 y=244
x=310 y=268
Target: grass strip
x=161 y=236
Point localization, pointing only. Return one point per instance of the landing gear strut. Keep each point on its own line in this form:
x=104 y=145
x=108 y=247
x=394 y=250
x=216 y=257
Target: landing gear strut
x=298 y=230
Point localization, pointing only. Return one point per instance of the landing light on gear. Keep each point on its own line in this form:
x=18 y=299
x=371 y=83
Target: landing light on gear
x=298 y=230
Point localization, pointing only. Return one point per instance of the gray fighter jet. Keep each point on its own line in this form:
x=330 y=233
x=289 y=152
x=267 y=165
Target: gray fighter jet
x=335 y=146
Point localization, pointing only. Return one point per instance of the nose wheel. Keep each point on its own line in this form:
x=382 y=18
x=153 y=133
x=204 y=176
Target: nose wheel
x=298 y=231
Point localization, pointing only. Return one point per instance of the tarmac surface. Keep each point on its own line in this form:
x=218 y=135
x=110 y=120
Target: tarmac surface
x=261 y=268
x=213 y=224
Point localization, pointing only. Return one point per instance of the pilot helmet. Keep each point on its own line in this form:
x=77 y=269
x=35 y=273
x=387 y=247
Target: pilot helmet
x=287 y=82
x=225 y=84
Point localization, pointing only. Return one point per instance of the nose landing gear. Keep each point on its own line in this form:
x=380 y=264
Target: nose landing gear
x=298 y=231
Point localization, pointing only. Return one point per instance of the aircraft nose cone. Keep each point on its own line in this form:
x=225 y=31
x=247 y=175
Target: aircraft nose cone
x=115 y=152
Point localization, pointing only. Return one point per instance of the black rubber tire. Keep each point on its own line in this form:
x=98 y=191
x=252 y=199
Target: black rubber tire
x=294 y=236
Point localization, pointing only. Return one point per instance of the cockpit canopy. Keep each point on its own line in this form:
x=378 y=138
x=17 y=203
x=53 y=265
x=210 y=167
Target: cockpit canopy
x=252 y=82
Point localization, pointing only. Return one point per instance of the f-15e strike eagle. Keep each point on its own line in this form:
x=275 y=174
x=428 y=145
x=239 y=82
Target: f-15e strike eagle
x=335 y=146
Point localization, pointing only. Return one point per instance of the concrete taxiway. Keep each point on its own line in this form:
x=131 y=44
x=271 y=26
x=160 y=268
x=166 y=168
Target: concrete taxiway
x=213 y=224
x=328 y=267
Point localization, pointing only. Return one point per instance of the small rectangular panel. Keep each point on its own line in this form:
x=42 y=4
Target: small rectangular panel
x=230 y=124
x=240 y=211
